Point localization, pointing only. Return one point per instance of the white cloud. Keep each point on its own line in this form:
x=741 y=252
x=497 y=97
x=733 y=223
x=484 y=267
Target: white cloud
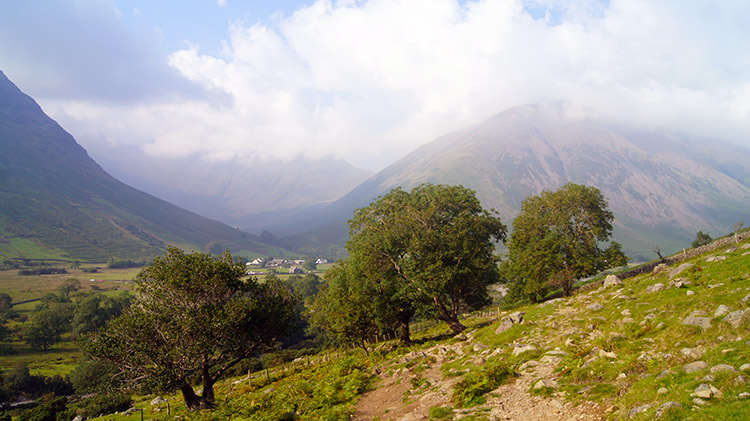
x=370 y=80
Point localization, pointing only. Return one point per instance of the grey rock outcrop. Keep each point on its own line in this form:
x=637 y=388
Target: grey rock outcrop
x=702 y=322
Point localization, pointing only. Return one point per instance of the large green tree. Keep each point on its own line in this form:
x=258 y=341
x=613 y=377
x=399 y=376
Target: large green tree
x=193 y=317
x=428 y=251
x=556 y=239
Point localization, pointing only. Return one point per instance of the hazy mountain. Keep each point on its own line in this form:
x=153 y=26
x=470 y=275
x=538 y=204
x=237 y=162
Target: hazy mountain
x=55 y=201
x=233 y=191
x=662 y=187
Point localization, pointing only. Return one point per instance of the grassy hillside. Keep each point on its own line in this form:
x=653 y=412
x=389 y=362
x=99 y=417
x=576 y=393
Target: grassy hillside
x=629 y=351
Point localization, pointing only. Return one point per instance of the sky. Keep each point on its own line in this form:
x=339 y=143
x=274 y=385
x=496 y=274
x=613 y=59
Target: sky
x=368 y=80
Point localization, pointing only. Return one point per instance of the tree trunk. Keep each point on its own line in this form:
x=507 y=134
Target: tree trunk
x=208 y=385
x=450 y=317
x=192 y=401
x=403 y=333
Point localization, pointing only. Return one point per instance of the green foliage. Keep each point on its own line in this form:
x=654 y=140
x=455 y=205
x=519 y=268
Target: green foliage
x=441 y=413
x=556 y=240
x=470 y=389
x=48 y=322
x=52 y=409
x=102 y=404
x=94 y=377
x=193 y=315
x=310 y=265
x=429 y=251
x=42 y=271
x=117 y=263
x=701 y=239
x=93 y=311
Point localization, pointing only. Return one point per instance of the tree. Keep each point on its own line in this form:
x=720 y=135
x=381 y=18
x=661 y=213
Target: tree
x=310 y=265
x=701 y=239
x=48 y=322
x=193 y=316
x=556 y=240
x=429 y=251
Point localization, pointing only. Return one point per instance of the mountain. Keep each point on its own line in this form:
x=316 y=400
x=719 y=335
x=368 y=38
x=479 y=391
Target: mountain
x=662 y=187
x=56 y=202
x=234 y=191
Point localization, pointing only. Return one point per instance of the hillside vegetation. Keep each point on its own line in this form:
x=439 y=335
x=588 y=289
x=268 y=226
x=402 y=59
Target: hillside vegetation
x=672 y=343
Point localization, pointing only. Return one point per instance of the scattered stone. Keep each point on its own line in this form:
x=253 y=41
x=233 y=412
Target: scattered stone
x=727 y=351
x=660 y=325
x=745 y=246
x=461 y=337
x=745 y=367
x=723 y=368
x=157 y=400
x=545 y=383
x=715 y=285
x=626 y=312
x=702 y=322
x=622 y=376
x=569 y=342
x=666 y=406
x=628 y=320
x=679 y=269
x=611 y=280
x=595 y=306
x=699 y=401
x=739 y=380
x=692 y=353
x=78 y=418
x=690 y=292
x=508 y=321
x=743 y=395
x=520 y=349
x=528 y=364
x=661 y=267
x=662 y=391
x=706 y=391
x=680 y=283
x=557 y=351
x=516 y=317
x=479 y=347
x=655 y=288
x=695 y=366
x=735 y=318
x=605 y=354
x=708 y=378
x=663 y=374
x=745 y=299
x=716 y=259
x=638 y=410
x=550 y=359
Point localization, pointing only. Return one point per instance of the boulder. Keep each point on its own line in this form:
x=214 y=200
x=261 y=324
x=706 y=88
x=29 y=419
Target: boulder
x=508 y=321
x=517 y=317
x=520 y=349
x=638 y=410
x=157 y=400
x=595 y=306
x=722 y=310
x=679 y=269
x=723 y=368
x=661 y=267
x=666 y=406
x=702 y=322
x=655 y=288
x=706 y=391
x=611 y=281
x=692 y=353
x=734 y=318
x=695 y=366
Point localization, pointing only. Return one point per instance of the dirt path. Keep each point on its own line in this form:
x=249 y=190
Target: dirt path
x=405 y=395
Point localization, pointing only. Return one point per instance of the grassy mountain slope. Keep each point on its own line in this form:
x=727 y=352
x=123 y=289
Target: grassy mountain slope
x=626 y=351
x=55 y=201
x=661 y=187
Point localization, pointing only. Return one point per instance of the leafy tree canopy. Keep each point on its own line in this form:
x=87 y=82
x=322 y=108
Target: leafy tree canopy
x=428 y=251
x=701 y=239
x=193 y=316
x=556 y=240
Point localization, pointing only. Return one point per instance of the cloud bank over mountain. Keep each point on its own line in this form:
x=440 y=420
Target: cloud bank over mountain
x=370 y=80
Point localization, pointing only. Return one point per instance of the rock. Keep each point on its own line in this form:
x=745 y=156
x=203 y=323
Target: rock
x=569 y=342
x=78 y=418
x=157 y=400
x=479 y=347
x=666 y=406
x=722 y=310
x=663 y=374
x=744 y=395
x=740 y=380
x=680 y=283
x=655 y=288
x=520 y=349
x=622 y=376
x=734 y=318
x=715 y=259
x=699 y=401
x=611 y=281
x=679 y=269
x=695 y=366
x=626 y=312
x=692 y=353
x=541 y=384
x=638 y=410
x=745 y=299
x=595 y=307
x=661 y=267
x=702 y=322
x=517 y=317
x=508 y=321
x=722 y=368
x=708 y=378
x=706 y=391
x=690 y=292
x=528 y=364
x=662 y=391
x=745 y=367
x=605 y=354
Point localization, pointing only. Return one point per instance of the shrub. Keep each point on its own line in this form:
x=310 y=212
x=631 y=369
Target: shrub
x=470 y=389
x=103 y=403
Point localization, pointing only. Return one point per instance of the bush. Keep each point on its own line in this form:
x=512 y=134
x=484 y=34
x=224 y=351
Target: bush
x=94 y=377
x=115 y=263
x=102 y=404
x=42 y=271
x=470 y=389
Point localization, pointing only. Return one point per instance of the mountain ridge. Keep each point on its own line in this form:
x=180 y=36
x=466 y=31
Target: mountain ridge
x=55 y=201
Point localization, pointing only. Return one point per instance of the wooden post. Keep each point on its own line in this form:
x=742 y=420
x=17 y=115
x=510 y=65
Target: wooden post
x=268 y=377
